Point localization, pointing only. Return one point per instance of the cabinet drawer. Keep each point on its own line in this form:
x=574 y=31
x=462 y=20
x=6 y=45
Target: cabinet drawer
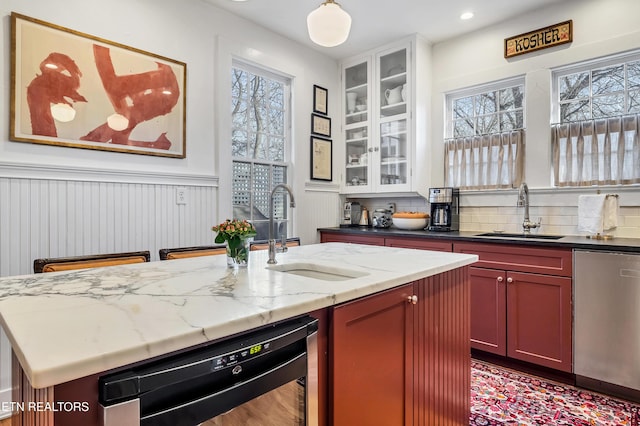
x=326 y=237
x=423 y=244
x=549 y=261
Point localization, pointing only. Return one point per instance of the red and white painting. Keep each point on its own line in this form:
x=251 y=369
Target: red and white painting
x=76 y=90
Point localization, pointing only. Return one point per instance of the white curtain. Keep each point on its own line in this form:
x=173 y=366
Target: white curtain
x=485 y=162
x=597 y=152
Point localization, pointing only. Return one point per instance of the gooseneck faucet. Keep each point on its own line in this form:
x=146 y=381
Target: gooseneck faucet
x=272 y=241
x=523 y=201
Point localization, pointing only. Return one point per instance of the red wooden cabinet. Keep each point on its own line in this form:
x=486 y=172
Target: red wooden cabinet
x=373 y=358
x=518 y=313
x=401 y=357
x=488 y=310
x=539 y=320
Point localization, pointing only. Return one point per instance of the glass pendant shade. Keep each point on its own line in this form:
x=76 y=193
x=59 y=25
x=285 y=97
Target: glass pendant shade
x=329 y=24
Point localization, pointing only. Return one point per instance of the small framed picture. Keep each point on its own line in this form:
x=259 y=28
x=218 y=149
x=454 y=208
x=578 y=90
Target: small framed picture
x=320 y=98
x=320 y=125
x=321 y=159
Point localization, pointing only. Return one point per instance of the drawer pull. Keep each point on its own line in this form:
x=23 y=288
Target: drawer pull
x=499 y=279
x=509 y=280
x=413 y=299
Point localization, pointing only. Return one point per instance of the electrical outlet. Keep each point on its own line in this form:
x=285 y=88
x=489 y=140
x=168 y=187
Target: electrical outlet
x=391 y=207
x=181 y=195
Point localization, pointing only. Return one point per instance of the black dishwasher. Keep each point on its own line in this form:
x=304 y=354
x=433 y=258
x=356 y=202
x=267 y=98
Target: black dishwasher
x=264 y=377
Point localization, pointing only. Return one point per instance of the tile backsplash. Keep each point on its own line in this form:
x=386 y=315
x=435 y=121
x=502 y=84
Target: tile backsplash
x=561 y=220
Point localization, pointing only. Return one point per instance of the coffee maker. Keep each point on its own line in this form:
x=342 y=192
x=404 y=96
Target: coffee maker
x=444 y=209
x=351 y=213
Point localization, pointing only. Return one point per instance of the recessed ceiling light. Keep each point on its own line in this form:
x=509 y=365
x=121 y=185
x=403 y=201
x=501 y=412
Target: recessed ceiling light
x=466 y=15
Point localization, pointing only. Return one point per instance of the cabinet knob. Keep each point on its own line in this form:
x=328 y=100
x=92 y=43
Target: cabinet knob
x=413 y=299
x=499 y=279
x=509 y=280
x=370 y=150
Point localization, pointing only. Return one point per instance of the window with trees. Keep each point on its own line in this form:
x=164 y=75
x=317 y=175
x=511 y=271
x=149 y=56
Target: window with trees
x=260 y=114
x=596 y=109
x=484 y=145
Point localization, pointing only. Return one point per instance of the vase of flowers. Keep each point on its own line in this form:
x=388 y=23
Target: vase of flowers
x=237 y=234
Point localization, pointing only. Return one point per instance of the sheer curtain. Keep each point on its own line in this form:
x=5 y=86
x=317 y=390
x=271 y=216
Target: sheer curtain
x=596 y=152
x=485 y=162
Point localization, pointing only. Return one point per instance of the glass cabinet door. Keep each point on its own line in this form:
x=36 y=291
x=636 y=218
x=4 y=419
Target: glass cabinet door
x=393 y=153
x=357 y=156
x=393 y=136
x=356 y=125
x=393 y=83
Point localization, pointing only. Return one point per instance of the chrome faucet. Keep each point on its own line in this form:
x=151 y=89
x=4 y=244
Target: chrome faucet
x=272 y=241
x=523 y=201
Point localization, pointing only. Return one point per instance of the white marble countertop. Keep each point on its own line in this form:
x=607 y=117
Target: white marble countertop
x=67 y=325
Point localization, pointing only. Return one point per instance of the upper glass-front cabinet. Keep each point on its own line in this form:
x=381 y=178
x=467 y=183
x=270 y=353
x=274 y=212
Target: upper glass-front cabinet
x=376 y=125
x=393 y=83
x=393 y=171
x=357 y=112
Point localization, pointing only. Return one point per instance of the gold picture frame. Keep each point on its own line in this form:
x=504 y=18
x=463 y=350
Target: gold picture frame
x=75 y=90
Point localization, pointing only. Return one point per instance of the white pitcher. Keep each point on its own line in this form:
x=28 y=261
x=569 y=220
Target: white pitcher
x=393 y=96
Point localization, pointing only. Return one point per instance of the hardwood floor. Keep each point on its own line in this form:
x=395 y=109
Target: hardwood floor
x=5 y=422
x=282 y=406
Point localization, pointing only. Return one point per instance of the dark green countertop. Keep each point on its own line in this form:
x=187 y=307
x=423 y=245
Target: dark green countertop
x=629 y=245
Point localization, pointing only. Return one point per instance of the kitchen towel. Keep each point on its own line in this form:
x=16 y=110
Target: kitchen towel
x=597 y=213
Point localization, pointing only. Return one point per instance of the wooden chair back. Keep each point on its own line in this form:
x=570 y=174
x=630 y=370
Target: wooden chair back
x=264 y=244
x=183 y=252
x=89 y=261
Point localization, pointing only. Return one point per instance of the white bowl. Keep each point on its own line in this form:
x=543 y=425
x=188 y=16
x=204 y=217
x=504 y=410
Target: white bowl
x=410 y=223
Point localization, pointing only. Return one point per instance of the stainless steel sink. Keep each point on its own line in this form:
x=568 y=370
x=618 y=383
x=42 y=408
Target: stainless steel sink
x=527 y=236
x=317 y=271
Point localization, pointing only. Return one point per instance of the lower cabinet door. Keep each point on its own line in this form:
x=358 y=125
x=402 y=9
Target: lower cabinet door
x=488 y=310
x=372 y=371
x=539 y=319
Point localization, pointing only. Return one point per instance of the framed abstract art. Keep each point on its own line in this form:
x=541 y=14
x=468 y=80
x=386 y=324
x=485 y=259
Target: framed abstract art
x=76 y=90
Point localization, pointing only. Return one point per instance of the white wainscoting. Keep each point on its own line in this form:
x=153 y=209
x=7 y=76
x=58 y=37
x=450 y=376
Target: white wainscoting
x=52 y=218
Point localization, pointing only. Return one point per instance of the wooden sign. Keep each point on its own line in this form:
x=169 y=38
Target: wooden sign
x=543 y=38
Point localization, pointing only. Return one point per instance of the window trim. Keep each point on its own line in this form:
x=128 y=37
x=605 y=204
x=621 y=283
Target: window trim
x=287 y=164
x=451 y=96
x=582 y=66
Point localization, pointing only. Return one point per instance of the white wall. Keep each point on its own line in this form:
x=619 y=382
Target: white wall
x=600 y=27
x=57 y=201
x=187 y=31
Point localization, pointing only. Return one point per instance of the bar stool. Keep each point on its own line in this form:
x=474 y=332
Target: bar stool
x=89 y=261
x=182 y=252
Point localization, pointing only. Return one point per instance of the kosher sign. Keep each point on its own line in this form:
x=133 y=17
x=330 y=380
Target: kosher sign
x=539 y=39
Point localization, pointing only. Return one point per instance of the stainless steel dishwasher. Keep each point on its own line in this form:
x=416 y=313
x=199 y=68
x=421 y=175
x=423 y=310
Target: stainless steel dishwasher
x=607 y=322
x=266 y=377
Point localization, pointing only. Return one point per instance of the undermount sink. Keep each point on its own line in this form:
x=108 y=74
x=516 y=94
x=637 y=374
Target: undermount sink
x=532 y=236
x=318 y=272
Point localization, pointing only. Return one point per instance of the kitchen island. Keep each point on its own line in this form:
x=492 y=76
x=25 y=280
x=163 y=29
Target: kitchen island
x=70 y=325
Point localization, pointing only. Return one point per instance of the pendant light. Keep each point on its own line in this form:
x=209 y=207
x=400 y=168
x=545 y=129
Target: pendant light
x=329 y=24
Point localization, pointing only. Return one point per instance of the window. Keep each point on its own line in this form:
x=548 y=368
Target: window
x=485 y=136
x=596 y=108
x=260 y=139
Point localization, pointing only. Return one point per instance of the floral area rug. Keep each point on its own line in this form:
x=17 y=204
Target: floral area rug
x=501 y=396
